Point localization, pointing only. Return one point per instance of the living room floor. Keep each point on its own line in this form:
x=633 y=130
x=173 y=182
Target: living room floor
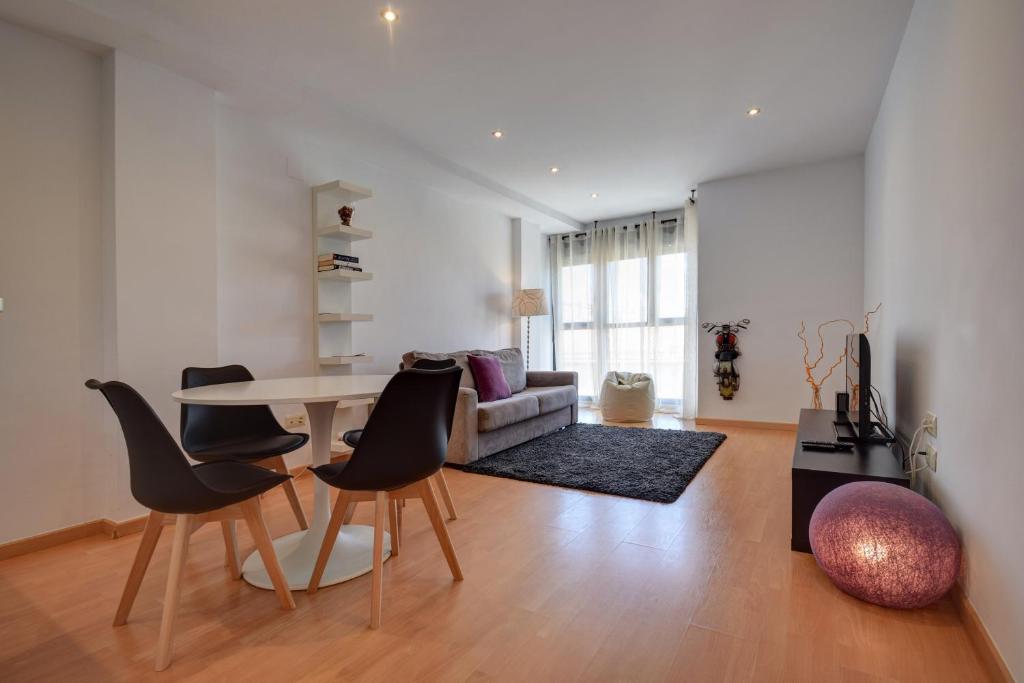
x=560 y=585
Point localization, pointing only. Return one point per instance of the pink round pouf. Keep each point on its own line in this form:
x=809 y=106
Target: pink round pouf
x=885 y=544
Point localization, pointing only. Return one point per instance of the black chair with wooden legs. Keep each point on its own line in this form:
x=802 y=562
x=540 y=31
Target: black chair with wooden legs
x=404 y=444
x=186 y=496
x=352 y=439
x=242 y=433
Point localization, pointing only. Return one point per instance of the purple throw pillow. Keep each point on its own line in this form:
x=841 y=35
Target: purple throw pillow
x=491 y=384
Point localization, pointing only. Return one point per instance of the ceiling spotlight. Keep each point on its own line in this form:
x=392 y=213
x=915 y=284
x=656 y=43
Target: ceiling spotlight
x=497 y=134
x=389 y=15
x=754 y=111
x=555 y=169
x=593 y=195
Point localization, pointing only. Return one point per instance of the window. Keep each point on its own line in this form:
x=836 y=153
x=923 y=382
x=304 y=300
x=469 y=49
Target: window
x=621 y=305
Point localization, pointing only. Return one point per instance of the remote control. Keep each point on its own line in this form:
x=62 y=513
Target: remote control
x=826 y=446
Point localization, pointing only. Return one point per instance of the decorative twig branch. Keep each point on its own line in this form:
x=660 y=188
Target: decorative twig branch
x=809 y=367
x=867 y=318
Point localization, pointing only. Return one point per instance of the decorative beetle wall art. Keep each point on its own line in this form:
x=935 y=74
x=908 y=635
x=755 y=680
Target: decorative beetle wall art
x=727 y=351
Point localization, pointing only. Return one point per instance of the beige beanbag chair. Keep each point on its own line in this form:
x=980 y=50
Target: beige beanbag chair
x=627 y=397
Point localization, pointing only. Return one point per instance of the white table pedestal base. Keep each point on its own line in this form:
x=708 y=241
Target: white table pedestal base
x=352 y=557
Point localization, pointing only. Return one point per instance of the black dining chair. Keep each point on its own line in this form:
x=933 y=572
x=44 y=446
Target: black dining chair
x=404 y=444
x=241 y=433
x=186 y=496
x=351 y=438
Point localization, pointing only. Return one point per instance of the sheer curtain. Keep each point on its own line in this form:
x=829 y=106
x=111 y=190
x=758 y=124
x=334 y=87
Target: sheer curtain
x=620 y=295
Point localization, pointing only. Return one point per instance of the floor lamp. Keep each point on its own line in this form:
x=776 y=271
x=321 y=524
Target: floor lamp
x=525 y=304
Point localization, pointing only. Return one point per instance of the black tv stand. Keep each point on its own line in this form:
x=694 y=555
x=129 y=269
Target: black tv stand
x=846 y=431
x=815 y=473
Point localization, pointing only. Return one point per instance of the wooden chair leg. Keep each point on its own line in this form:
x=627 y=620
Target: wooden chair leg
x=289 y=490
x=350 y=511
x=440 y=530
x=231 y=560
x=154 y=525
x=172 y=594
x=258 y=529
x=377 y=591
x=393 y=527
x=341 y=507
x=446 y=494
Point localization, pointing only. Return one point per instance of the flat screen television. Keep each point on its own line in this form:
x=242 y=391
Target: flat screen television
x=858 y=385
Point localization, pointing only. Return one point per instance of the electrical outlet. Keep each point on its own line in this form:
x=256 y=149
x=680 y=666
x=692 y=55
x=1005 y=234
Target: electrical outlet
x=298 y=420
x=931 y=424
x=931 y=456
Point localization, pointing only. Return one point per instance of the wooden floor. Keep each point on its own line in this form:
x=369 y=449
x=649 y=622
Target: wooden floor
x=560 y=586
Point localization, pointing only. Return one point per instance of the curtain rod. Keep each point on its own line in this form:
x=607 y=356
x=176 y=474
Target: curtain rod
x=664 y=221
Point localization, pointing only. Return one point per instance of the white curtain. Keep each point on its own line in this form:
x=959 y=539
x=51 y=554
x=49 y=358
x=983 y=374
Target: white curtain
x=621 y=301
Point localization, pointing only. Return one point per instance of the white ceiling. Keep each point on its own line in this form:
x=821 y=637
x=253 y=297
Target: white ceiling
x=638 y=101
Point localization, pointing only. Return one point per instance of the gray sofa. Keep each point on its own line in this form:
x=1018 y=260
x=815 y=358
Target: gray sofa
x=542 y=401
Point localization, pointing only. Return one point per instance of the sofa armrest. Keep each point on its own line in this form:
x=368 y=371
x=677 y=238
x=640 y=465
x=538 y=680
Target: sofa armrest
x=551 y=378
x=462 y=446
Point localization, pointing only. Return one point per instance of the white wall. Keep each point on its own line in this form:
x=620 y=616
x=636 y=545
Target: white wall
x=147 y=226
x=530 y=270
x=945 y=169
x=164 y=234
x=779 y=247
x=50 y=263
x=442 y=268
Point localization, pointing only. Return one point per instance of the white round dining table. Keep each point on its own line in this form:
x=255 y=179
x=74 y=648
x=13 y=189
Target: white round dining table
x=297 y=552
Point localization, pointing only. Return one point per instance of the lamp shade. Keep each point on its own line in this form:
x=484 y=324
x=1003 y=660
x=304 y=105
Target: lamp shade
x=885 y=544
x=529 y=302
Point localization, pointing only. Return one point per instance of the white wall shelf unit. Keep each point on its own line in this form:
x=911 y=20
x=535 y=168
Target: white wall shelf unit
x=340 y=274
x=345 y=193
x=333 y=351
x=346 y=317
x=345 y=232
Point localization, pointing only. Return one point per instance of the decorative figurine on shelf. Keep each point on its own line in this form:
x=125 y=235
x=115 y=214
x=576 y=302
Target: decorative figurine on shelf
x=810 y=367
x=726 y=353
x=345 y=214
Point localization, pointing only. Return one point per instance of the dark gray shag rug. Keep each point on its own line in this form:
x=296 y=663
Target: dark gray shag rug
x=649 y=464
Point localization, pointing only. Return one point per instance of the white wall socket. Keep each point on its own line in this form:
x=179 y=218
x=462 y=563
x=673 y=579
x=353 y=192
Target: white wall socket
x=931 y=424
x=298 y=420
x=931 y=456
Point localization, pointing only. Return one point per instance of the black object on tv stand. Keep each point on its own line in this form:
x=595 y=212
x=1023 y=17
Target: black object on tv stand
x=815 y=473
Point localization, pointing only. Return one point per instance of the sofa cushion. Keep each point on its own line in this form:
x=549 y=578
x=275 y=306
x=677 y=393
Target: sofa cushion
x=512 y=365
x=507 y=411
x=491 y=384
x=550 y=399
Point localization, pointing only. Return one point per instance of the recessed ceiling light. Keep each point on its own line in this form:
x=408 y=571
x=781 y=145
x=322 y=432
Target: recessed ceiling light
x=555 y=169
x=389 y=15
x=497 y=134
x=593 y=195
x=754 y=111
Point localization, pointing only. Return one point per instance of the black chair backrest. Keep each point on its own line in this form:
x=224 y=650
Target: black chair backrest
x=427 y=364
x=204 y=425
x=406 y=438
x=161 y=477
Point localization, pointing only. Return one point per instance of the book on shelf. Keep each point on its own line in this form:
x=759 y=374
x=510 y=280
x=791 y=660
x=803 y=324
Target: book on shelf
x=321 y=268
x=337 y=257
